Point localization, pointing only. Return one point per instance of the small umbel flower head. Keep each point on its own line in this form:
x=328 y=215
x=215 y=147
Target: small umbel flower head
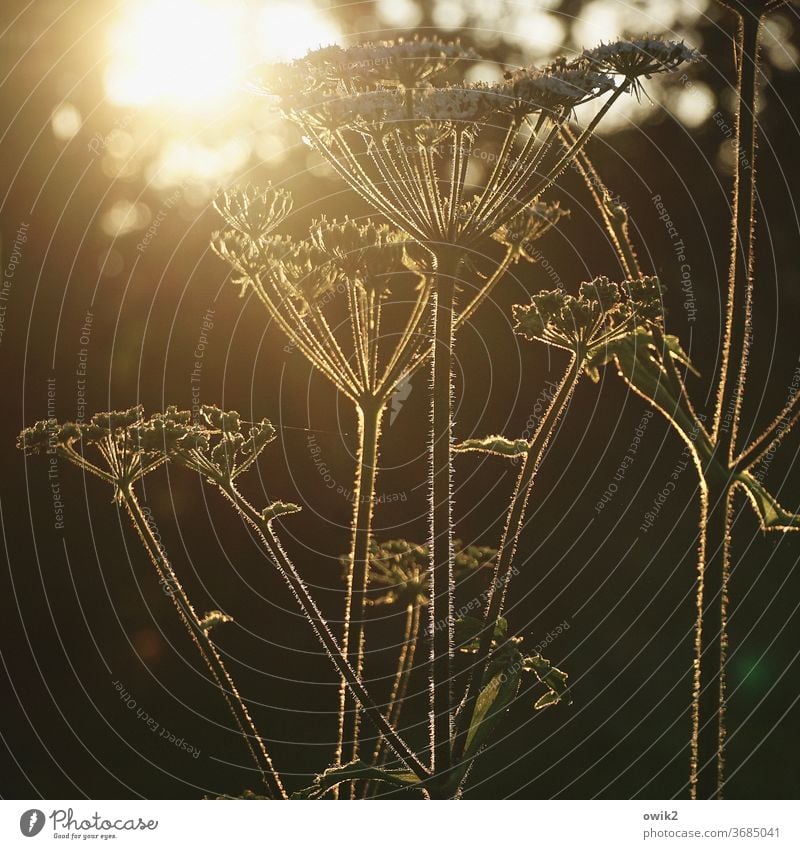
x=602 y=313
x=215 y=445
x=528 y=225
x=252 y=210
x=367 y=252
x=398 y=570
x=115 y=437
x=641 y=57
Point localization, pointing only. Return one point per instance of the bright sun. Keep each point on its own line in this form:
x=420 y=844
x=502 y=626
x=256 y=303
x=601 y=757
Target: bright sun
x=190 y=53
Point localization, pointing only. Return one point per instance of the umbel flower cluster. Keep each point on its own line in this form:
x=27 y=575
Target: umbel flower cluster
x=450 y=169
x=602 y=313
x=391 y=122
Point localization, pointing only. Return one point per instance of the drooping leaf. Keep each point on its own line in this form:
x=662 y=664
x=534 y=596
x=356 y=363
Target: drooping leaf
x=498 y=445
x=554 y=679
x=356 y=770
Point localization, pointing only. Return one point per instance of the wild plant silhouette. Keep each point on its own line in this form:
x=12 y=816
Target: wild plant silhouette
x=398 y=125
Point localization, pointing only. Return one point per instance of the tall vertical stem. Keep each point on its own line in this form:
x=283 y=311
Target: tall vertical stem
x=514 y=523
x=441 y=516
x=711 y=643
x=738 y=317
x=208 y=651
x=370 y=411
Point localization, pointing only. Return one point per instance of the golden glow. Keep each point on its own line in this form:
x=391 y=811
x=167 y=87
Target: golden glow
x=192 y=54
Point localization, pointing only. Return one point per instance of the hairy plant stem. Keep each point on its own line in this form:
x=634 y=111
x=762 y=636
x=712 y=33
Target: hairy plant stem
x=405 y=664
x=208 y=651
x=370 y=412
x=707 y=774
x=711 y=642
x=738 y=316
x=278 y=557
x=515 y=521
x=441 y=515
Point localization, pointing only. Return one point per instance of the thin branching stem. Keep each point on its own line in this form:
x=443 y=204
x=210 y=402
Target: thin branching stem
x=738 y=314
x=312 y=614
x=208 y=651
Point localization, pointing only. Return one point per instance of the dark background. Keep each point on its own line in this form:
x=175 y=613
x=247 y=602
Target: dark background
x=81 y=608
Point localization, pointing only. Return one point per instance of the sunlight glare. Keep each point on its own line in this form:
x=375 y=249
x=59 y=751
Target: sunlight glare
x=288 y=30
x=192 y=54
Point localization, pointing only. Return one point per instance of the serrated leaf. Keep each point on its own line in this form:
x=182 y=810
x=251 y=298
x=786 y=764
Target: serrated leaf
x=279 y=508
x=498 y=445
x=355 y=771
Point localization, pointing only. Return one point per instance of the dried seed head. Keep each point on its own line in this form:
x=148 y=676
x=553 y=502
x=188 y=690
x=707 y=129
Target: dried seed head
x=252 y=210
x=367 y=252
x=528 y=225
x=602 y=312
x=641 y=57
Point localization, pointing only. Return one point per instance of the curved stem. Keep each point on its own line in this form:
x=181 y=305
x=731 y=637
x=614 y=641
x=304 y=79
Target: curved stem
x=205 y=646
x=738 y=316
x=514 y=523
x=370 y=412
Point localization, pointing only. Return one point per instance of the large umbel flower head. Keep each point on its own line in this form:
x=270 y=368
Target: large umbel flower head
x=389 y=120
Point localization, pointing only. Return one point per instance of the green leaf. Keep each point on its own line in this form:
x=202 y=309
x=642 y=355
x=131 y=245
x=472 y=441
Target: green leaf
x=356 y=770
x=278 y=508
x=771 y=516
x=549 y=698
x=492 y=702
x=498 y=445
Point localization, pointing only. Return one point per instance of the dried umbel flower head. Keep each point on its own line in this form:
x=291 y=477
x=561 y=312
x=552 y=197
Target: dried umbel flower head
x=602 y=313
x=554 y=90
x=115 y=437
x=528 y=225
x=400 y=569
x=403 y=62
x=252 y=210
x=365 y=251
x=641 y=57
x=215 y=444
